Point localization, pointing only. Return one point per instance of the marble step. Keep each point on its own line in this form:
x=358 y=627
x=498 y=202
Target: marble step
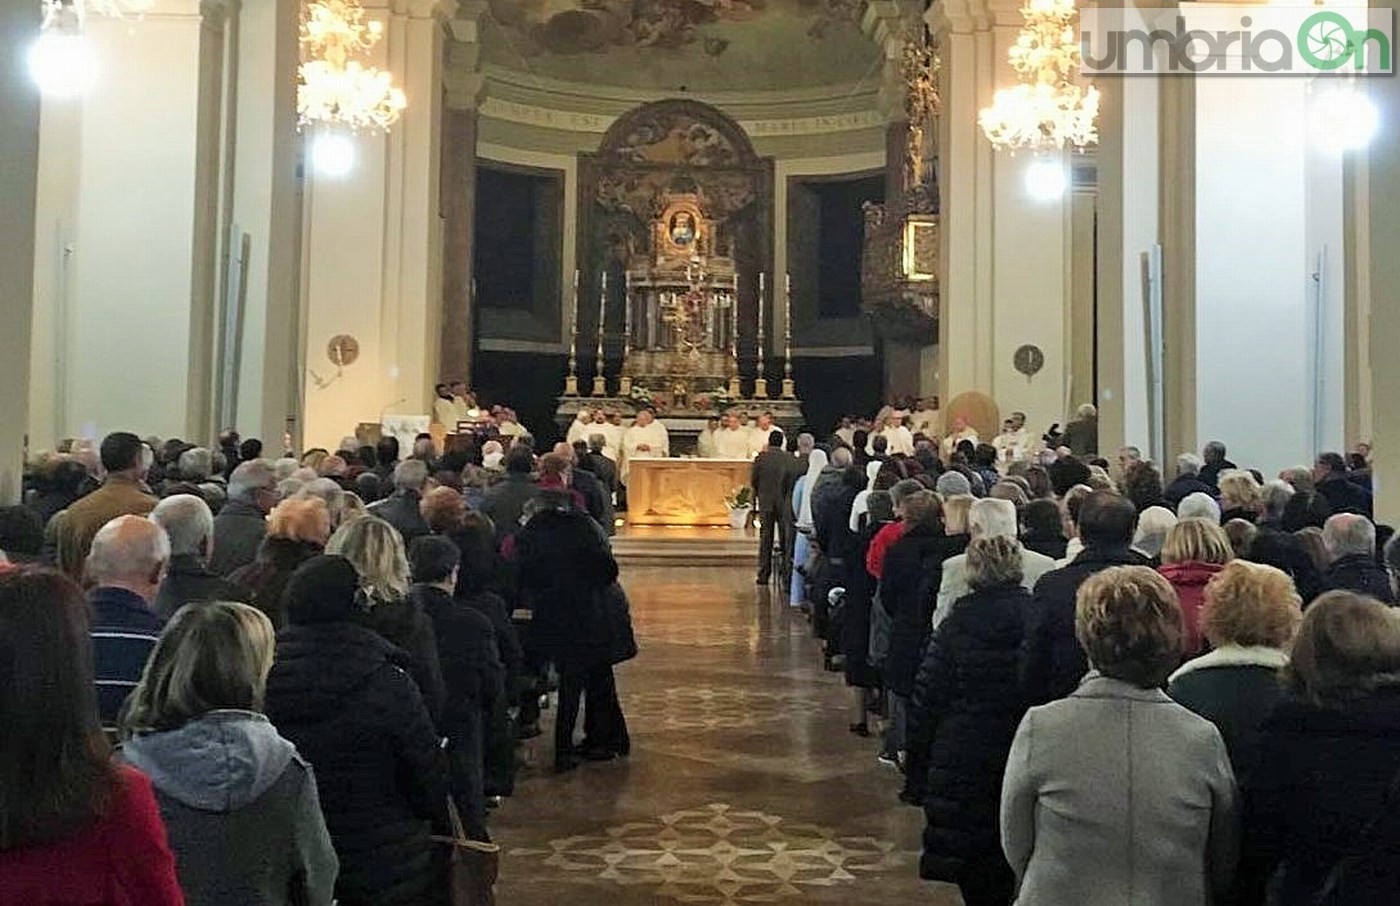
x=685 y=546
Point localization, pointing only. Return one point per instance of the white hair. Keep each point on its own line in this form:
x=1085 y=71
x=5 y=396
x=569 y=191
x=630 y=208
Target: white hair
x=1188 y=464
x=410 y=475
x=1153 y=525
x=1277 y=493
x=250 y=477
x=1199 y=505
x=841 y=457
x=187 y=521
x=1347 y=534
x=285 y=468
x=128 y=547
x=992 y=517
x=196 y=464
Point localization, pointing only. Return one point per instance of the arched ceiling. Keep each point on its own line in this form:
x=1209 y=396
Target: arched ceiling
x=673 y=46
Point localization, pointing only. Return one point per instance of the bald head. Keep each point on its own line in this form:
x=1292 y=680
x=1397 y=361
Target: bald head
x=566 y=451
x=129 y=552
x=841 y=458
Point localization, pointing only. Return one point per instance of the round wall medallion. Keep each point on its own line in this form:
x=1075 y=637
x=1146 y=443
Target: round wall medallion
x=1029 y=360
x=343 y=349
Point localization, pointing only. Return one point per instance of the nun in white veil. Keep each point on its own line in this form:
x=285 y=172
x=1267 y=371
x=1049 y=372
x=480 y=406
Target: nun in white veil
x=802 y=509
x=861 y=505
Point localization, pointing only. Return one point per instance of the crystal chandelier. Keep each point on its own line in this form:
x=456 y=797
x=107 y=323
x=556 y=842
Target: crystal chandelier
x=1047 y=111
x=334 y=88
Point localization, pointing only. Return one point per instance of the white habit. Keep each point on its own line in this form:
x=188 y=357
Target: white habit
x=732 y=443
x=655 y=436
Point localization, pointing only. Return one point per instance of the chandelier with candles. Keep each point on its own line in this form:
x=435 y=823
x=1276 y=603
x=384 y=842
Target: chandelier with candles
x=335 y=87
x=1048 y=110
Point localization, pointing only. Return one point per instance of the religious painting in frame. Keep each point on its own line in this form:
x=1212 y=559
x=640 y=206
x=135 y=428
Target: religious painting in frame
x=682 y=230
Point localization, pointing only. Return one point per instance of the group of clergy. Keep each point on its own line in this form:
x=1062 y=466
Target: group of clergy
x=456 y=404
x=899 y=428
x=645 y=438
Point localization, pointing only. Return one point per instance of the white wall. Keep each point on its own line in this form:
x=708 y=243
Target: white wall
x=114 y=234
x=1262 y=213
x=1140 y=215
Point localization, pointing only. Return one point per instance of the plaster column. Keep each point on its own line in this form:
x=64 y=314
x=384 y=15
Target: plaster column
x=1177 y=232
x=458 y=191
x=260 y=398
x=19 y=174
x=1379 y=218
x=1005 y=267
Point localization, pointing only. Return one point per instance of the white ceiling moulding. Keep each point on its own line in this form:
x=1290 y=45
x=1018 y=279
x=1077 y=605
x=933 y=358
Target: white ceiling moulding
x=598 y=123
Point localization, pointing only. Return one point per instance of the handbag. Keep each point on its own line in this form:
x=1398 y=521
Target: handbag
x=616 y=614
x=474 y=864
x=881 y=628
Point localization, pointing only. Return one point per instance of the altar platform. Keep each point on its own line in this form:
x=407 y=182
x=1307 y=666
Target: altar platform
x=683 y=490
x=686 y=545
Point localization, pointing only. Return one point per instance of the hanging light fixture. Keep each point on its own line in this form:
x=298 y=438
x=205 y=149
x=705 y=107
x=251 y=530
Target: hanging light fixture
x=1048 y=111
x=337 y=92
x=61 y=61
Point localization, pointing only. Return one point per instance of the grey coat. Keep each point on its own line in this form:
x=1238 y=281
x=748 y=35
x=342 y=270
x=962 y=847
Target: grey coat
x=1118 y=796
x=241 y=810
x=238 y=531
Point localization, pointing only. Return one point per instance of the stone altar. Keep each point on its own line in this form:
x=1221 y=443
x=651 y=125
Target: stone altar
x=684 y=490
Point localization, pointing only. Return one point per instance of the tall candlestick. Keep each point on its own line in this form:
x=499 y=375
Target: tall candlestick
x=760 y=381
x=571 y=382
x=600 y=381
x=624 y=385
x=789 y=387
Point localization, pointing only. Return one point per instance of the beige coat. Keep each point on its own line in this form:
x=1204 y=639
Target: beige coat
x=1118 y=796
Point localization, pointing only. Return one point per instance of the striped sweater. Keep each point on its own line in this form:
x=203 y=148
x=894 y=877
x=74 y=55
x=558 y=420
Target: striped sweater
x=124 y=630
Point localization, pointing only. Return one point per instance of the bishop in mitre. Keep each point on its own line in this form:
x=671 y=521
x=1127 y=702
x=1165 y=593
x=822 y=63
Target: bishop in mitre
x=646 y=439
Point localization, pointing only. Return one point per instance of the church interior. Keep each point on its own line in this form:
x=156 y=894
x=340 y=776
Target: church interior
x=678 y=243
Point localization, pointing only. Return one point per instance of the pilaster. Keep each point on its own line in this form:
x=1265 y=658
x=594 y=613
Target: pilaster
x=19 y=175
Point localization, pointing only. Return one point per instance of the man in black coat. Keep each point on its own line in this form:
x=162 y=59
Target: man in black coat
x=772 y=500
x=1052 y=663
x=1213 y=454
x=596 y=498
x=592 y=459
x=472 y=673
x=1345 y=496
x=505 y=500
x=1187 y=481
x=1351 y=540
x=189 y=525
x=242 y=523
x=403 y=508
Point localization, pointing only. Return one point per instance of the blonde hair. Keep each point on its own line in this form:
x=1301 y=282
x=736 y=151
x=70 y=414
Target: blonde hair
x=1239 y=491
x=1197 y=540
x=212 y=656
x=993 y=561
x=956 y=510
x=1251 y=604
x=1128 y=620
x=300 y=519
x=376 y=550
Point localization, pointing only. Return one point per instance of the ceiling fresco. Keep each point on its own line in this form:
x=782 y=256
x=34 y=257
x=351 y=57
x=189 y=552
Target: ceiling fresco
x=688 y=45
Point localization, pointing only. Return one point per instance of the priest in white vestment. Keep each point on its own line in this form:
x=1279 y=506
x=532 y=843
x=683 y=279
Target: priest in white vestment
x=1014 y=442
x=925 y=419
x=612 y=434
x=847 y=432
x=705 y=442
x=761 y=431
x=646 y=439
x=899 y=438
x=961 y=431
x=732 y=440
x=581 y=427
x=450 y=407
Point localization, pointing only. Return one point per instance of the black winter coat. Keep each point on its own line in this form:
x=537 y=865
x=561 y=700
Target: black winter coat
x=267 y=576
x=564 y=563
x=1345 y=496
x=339 y=693
x=472 y=673
x=1237 y=689
x=855 y=627
x=1361 y=574
x=1184 y=486
x=1322 y=776
x=402 y=510
x=188 y=580
x=908 y=591
x=408 y=628
x=966 y=707
x=1052 y=663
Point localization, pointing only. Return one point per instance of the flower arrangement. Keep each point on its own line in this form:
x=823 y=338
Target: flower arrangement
x=641 y=396
x=740 y=498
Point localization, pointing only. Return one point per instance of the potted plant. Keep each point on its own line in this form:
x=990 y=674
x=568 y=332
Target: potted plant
x=740 y=503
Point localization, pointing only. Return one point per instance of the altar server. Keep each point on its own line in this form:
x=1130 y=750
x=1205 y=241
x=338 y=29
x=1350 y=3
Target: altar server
x=646 y=439
x=899 y=438
x=581 y=427
x=761 y=432
x=612 y=434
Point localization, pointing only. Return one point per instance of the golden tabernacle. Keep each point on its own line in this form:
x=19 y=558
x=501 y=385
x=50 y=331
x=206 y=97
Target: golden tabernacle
x=683 y=491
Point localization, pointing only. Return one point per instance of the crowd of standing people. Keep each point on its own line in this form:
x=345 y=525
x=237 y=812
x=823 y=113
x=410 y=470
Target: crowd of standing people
x=229 y=679
x=1103 y=685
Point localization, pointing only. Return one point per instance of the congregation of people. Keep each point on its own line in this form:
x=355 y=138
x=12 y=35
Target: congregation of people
x=231 y=679
x=1103 y=684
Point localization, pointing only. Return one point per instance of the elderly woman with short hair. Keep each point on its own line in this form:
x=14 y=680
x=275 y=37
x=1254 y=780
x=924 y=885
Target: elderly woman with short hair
x=1117 y=794
x=1250 y=615
x=297 y=530
x=966 y=705
x=1154 y=524
x=1321 y=805
x=1241 y=497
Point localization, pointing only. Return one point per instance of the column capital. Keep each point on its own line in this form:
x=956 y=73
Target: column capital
x=425 y=9
x=217 y=12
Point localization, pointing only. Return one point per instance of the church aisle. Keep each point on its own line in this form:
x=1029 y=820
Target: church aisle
x=744 y=785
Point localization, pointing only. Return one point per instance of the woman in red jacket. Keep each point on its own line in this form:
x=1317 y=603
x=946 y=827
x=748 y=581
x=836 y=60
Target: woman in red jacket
x=1195 y=550
x=74 y=829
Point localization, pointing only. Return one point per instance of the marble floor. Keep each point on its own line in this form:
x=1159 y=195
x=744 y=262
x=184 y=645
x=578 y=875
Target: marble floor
x=743 y=787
